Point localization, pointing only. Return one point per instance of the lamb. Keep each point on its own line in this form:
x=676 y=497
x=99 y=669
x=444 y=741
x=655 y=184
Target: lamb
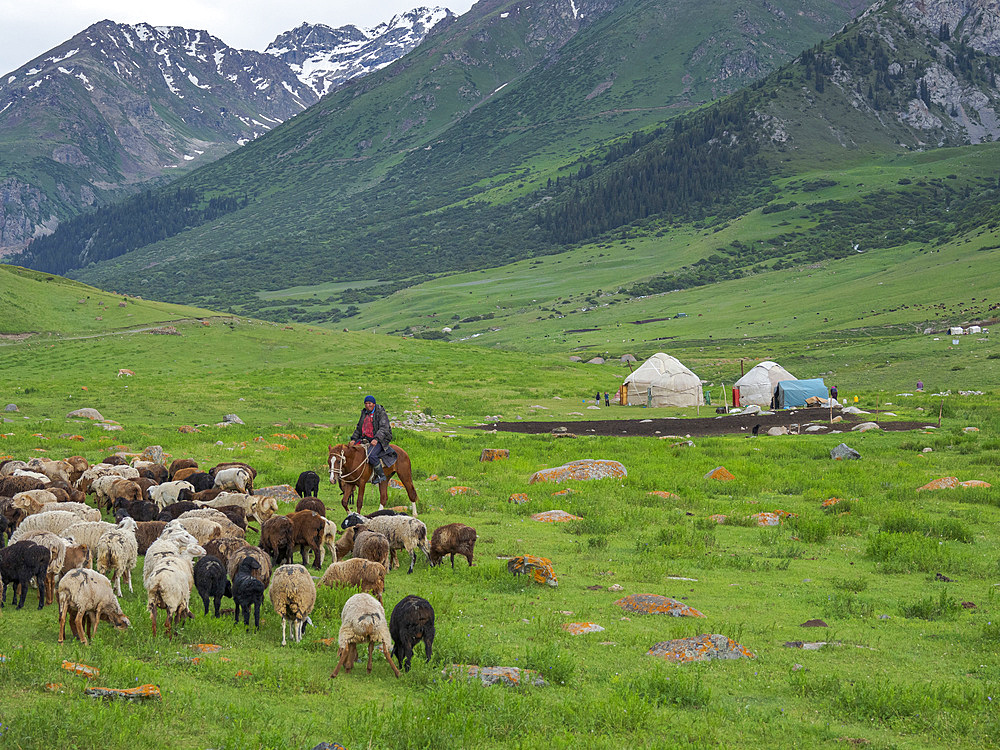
x=307 y=484
x=276 y=539
x=412 y=621
x=31 y=501
x=235 y=478
x=57 y=558
x=225 y=548
x=293 y=596
x=56 y=521
x=211 y=581
x=10 y=486
x=362 y=621
x=212 y=514
x=455 y=538
x=248 y=591
x=263 y=573
x=181 y=463
x=308 y=528
x=345 y=544
x=19 y=563
x=371 y=545
x=77 y=556
x=80 y=510
x=118 y=550
x=169 y=493
x=361 y=573
x=87 y=532
x=311 y=503
x=202 y=529
x=147 y=533
x=403 y=532
x=85 y=597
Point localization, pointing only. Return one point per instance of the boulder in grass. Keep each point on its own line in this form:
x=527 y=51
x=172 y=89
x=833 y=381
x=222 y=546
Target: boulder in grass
x=776 y=431
x=579 y=628
x=81 y=669
x=555 y=516
x=494 y=675
x=395 y=484
x=596 y=361
x=140 y=693
x=767 y=519
x=86 y=414
x=187 y=429
x=654 y=604
x=865 y=426
x=329 y=745
x=206 y=648
x=718 y=517
x=539 y=568
x=944 y=483
x=974 y=483
x=584 y=469
x=232 y=419
x=283 y=493
x=844 y=452
x=700 y=648
x=493 y=454
x=720 y=474
x=11 y=407
x=831 y=501
x=152 y=453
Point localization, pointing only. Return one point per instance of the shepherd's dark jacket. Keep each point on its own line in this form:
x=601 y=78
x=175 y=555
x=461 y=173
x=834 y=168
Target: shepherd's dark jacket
x=383 y=432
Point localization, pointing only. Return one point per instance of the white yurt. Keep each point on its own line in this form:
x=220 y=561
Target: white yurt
x=663 y=381
x=757 y=386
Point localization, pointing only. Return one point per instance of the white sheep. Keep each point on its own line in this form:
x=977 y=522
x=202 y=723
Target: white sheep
x=202 y=529
x=57 y=558
x=255 y=506
x=8 y=469
x=234 y=478
x=293 y=596
x=86 y=532
x=31 y=501
x=403 y=532
x=118 y=550
x=86 y=596
x=33 y=474
x=362 y=621
x=55 y=470
x=56 y=521
x=174 y=539
x=82 y=511
x=169 y=585
x=228 y=527
x=167 y=493
x=88 y=477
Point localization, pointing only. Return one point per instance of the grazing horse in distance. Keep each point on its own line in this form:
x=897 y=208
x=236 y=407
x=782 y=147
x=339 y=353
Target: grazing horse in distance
x=350 y=470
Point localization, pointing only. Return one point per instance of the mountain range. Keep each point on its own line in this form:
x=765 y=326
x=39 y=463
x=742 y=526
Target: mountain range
x=119 y=107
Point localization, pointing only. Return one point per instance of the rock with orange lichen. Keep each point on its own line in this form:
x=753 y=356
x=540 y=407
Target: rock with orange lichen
x=563 y=493
x=974 y=483
x=538 y=568
x=461 y=490
x=81 y=669
x=718 y=517
x=140 y=693
x=205 y=648
x=395 y=484
x=555 y=516
x=518 y=498
x=944 y=483
x=664 y=495
x=720 y=474
x=432 y=478
x=579 y=628
x=831 y=501
x=494 y=454
x=654 y=604
x=187 y=429
x=494 y=675
x=699 y=648
x=582 y=470
x=766 y=519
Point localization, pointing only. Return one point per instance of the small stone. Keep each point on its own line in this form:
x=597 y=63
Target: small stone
x=927 y=450
x=11 y=407
x=86 y=414
x=579 y=628
x=844 y=452
x=974 y=483
x=616 y=587
x=518 y=498
x=493 y=454
x=555 y=516
x=494 y=675
x=232 y=419
x=187 y=429
x=720 y=474
x=797 y=667
x=865 y=427
x=970 y=429
x=814 y=624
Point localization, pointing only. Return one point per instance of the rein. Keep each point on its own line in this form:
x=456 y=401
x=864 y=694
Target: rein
x=337 y=472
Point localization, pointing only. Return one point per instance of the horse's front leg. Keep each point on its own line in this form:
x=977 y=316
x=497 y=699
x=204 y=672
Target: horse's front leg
x=383 y=493
x=365 y=476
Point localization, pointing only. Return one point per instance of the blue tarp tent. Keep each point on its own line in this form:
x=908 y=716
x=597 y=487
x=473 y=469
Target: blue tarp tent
x=790 y=393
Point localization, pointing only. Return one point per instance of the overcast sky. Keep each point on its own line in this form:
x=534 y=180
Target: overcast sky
x=30 y=27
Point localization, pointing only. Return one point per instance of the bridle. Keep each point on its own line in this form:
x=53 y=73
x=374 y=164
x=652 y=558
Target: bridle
x=336 y=472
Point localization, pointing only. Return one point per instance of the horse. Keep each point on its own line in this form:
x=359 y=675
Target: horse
x=349 y=468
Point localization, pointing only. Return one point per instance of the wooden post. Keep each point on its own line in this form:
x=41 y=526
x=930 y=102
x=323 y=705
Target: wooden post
x=940 y=410
x=876 y=406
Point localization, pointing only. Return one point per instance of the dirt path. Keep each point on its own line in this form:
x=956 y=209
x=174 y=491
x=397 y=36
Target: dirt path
x=736 y=424
x=19 y=337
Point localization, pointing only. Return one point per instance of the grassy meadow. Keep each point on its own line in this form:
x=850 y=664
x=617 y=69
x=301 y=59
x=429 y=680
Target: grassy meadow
x=908 y=665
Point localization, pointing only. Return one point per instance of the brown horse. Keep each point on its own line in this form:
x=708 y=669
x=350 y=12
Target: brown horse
x=349 y=468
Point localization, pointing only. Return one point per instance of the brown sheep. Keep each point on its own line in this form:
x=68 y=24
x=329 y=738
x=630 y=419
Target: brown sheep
x=206 y=495
x=10 y=486
x=125 y=489
x=368 y=576
x=311 y=503
x=308 y=527
x=156 y=472
x=77 y=556
x=236 y=514
x=147 y=533
x=455 y=538
x=263 y=575
x=11 y=513
x=182 y=474
x=115 y=460
x=373 y=546
x=80 y=465
x=180 y=463
x=225 y=547
x=144 y=483
x=345 y=545
x=276 y=539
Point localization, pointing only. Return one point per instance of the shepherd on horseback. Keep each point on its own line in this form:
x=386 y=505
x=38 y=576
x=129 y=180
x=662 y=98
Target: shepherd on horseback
x=375 y=433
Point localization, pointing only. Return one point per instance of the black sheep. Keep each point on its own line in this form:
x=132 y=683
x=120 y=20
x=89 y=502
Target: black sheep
x=211 y=581
x=276 y=535
x=174 y=510
x=4 y=530
x=234 y=513
x=248 y=590
x=308 y=484
x=21 y=562
x=200 y=480
x=412 y=621
x=140 y=510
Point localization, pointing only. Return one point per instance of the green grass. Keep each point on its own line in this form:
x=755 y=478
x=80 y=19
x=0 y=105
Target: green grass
x=869 y=573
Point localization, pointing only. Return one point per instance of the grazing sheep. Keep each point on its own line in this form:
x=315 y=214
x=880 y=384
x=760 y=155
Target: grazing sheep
x=87 y=532
x=82 y=511
x=308 y=528
x=232 y=465
x=10 y=486
x=3 y=530
x=403 y=532
x=140 y=510
x=202 y=529
x=106 y=488
x=182 y=474
x=57 y=558
x=225 y=548
x=412 y=621
x=169 y=587
x=115 y=459
x=86 y=597
x=9 y=465
x=157 y=473
x=260 y=508
x=263 y=574
x=88 y=477
x=31 y=501
x=199 y=479
x=362 y=621
x=346 y=523
x=276 y=539
x=455 y=538
x=169 y=493
x=77 y=556
x=144 y=483
x=345 y=544
x=234 y=513
x=29 y=474
x=213 y=514
x=329 y=540
x=236 y=478
x=371 y=545
x=181 y=463
x=211 y=581
x=176 y=510
x=147 y=533
x=118 y=550
x=19 y=563
x=60 y=494
x=56 y=471
x=206 y=496
x=311 y=503
x=248 y=591
x=307 y=484
x=173 y=541
x=79 y=465
x=293 y=596
x=56 y=521
x=361 y=573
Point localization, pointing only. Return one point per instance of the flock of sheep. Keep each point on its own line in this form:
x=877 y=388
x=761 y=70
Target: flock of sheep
x=190 y=525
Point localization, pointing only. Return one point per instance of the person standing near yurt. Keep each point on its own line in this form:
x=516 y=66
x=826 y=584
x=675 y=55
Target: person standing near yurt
x=833 y=392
